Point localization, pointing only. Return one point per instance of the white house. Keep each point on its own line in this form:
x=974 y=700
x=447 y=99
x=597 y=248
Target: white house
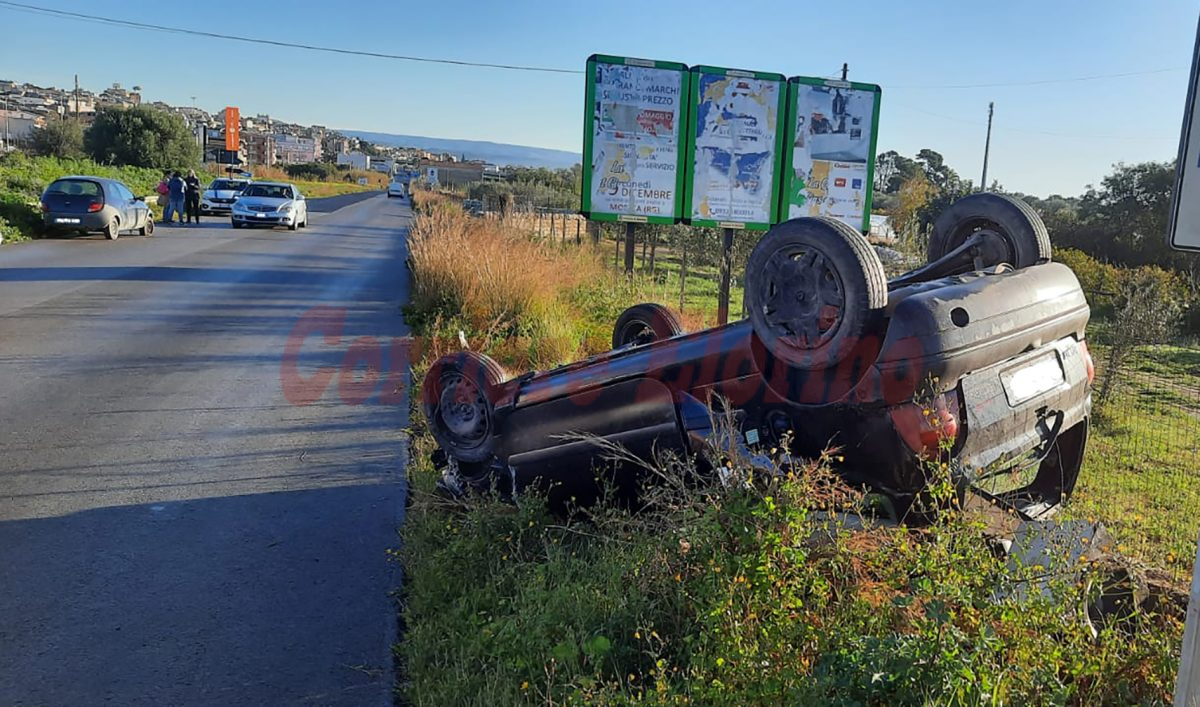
x=355 y=160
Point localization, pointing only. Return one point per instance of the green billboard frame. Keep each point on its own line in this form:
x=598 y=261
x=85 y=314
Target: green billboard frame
x=690 y=146
x=789 y=171
x=589 y=136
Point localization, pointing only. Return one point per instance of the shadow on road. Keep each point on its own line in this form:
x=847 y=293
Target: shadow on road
x=192 y=577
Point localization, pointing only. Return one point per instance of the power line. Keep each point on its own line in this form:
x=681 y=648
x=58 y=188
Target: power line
x=258 y=40
x=1027 y=131
x=34 y=9
x=1039 y=82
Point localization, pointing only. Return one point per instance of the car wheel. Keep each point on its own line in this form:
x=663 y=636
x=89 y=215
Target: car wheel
x=294 y=224
x=113 y=229
x=644 y=323
x=148 y=229
x=235 y=223
x=1018 y=225
x=814 y=289
x=458 y=399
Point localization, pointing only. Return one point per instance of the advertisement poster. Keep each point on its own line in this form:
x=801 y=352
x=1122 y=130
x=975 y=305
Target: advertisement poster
x=735 y=138
x=830 y=164
x=633 y=161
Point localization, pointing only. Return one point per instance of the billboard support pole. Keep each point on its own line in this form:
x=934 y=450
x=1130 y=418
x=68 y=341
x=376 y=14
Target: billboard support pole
x=629 y=248
x=726 y=267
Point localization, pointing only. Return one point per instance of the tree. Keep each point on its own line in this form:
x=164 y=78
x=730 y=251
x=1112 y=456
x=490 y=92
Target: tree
x=911 y=200
x=142 y=137
x=892 y=170
x=60 y=138
x=1124 y=220
x=939 y=174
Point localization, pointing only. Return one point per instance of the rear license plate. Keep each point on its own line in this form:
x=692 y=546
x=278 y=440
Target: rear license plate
x=1032 y=379
x=66 y=220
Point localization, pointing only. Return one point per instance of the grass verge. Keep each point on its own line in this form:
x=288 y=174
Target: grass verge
x=740 y=594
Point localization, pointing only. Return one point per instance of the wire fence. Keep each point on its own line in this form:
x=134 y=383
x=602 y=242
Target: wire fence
x=1141 y=474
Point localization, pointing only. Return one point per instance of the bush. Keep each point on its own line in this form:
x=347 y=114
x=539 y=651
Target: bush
x=744 y=595
x=141 y=137
x=60 y=138
x=316 y=171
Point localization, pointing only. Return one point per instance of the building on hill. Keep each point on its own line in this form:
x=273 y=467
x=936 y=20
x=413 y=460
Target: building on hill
x=354 y=160
x=121 y=98
x=17 y=126
x=259 y=148
x=294 y=149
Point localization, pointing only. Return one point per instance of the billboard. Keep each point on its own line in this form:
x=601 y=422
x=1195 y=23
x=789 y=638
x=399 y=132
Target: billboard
x=829 y=166
x=632 y=156
x=233 y=129
x=1183 y=230
x=734 y=146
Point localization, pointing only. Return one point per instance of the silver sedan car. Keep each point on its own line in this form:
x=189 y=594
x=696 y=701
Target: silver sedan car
x=270 y=204
x=85 y=204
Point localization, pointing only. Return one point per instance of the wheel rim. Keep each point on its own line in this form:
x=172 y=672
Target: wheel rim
x=636 y=332
x=803 y=296
x=463 y=412
x=114 y=229
x=983 y=227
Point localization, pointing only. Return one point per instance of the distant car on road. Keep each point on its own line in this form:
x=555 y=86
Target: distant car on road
x=396 y=189
x=87 y=204
x=270 y=204
x=220 y=195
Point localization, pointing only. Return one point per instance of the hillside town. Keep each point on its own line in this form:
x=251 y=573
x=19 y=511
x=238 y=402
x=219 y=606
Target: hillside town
x=266 y=141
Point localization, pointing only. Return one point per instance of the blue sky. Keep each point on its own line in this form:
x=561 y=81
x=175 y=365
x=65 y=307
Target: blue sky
x=1048 y=138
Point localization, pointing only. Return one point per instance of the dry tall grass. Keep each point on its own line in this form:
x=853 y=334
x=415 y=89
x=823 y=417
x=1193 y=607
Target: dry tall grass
x=488 y=277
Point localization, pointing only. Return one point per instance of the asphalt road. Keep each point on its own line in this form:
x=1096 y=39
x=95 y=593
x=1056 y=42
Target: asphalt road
x=187 y=514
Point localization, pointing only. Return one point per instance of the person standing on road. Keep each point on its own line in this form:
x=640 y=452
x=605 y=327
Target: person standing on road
x=163 y=190
x=193 y=196
x=176 y=191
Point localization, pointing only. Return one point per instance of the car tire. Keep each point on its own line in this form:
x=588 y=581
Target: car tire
x=815 y=290
x=148 y=229
x=644 y=323
x=235 y=223
x=1012 y=219
x=458 y=398
x=293 y=225
x=113 y=230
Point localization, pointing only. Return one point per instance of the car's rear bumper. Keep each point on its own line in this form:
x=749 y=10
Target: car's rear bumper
x=75 y=222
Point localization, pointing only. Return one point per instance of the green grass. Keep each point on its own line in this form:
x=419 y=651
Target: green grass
x=741 y=596
x=662 y=286
x=1140 y=475
x=24 y=178
x=744 y=595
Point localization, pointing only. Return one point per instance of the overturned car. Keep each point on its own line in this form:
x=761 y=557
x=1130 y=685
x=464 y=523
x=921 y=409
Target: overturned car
x=977 y=359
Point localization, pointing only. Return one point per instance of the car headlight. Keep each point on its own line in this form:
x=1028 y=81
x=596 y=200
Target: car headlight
x=287 y=208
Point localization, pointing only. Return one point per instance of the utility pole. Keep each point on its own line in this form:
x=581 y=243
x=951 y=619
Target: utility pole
x=987 y=146
x=76 y=96
x=845 y=70
x=7 y=138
